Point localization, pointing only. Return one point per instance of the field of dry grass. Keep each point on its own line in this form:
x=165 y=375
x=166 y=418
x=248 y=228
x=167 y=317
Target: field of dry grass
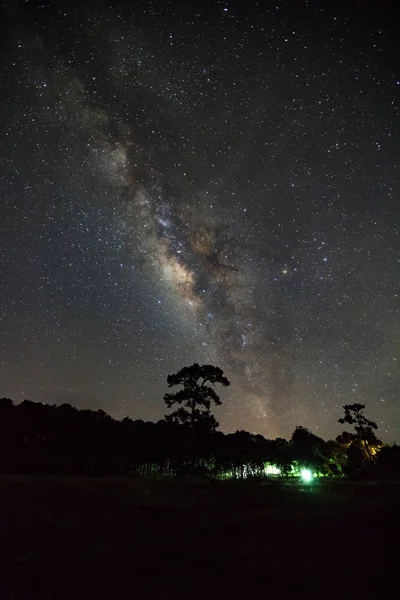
x=67 y=537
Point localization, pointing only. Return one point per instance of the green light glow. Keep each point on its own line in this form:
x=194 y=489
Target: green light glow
x=272 y=470
x=306 y=475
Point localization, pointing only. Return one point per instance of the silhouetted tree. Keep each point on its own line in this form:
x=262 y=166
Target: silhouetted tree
x=203 y=419
x=364 y=428
x=308 y=448
x=195 y=396
x=283 y=455
x=335 y=458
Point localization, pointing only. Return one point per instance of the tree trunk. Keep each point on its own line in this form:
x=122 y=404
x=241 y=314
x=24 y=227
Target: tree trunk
x=193 y=438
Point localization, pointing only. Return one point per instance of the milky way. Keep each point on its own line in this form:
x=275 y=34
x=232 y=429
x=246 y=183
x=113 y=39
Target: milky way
x=214 y=186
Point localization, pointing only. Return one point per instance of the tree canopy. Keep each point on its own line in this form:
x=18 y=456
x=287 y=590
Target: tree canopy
x=196 y=397
x=364 y=436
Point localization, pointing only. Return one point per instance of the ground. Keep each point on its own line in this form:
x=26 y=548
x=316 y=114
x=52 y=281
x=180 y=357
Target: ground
x=80 y=538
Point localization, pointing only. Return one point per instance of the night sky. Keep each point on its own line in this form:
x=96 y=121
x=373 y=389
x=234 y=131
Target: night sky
x=219 y=184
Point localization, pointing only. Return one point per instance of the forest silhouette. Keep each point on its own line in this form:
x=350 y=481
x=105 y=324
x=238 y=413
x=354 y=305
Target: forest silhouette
x=42 y=438
x=95 y=507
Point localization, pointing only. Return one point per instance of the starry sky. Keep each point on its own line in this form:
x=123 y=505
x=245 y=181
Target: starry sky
x=213 y=184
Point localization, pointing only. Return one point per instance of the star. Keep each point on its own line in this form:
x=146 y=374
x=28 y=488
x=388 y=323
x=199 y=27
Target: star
x=162 y=205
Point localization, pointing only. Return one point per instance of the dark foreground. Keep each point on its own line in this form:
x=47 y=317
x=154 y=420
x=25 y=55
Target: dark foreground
x=107 y=538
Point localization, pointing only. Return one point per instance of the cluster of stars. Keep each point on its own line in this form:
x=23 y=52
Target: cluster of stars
x=215 y=185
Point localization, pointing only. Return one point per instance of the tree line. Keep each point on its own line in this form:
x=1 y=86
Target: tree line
x=37 y=437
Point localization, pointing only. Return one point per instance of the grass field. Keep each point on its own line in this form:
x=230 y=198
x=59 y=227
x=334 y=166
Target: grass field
x=67 y=537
